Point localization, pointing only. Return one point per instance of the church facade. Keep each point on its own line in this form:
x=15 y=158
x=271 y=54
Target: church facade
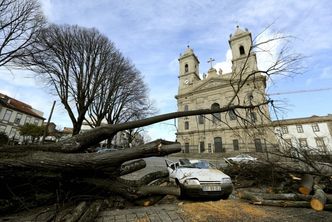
x=237 y=130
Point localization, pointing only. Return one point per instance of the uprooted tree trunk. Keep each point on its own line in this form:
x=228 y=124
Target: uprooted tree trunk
x=33 y=178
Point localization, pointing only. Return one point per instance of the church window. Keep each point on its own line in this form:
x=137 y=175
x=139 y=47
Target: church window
x=241 y=50
x=251 y=116
x=258 y=145
x=236 y=144
x=215 y=116
x=201 y=119
x=186 y=125
x=186 y=68
x=186 y=107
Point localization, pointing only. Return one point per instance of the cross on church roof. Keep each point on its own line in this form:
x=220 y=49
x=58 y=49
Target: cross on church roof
x=211 y=60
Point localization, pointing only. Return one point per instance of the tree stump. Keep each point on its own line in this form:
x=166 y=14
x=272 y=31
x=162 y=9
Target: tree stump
x=306 y=184
x=319 y=199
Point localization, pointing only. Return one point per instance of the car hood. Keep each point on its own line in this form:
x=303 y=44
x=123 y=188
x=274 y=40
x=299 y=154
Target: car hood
x=201 y=174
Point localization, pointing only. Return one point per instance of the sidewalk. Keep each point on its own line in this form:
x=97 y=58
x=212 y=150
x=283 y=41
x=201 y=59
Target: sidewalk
x=156 y=213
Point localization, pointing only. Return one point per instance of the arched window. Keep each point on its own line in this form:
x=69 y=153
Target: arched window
x=215 y=116
x=241 y=50
x=186 y=68
x=186 y=107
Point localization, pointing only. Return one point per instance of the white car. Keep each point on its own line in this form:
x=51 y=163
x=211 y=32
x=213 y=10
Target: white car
x=242 y=158
x=199 y=178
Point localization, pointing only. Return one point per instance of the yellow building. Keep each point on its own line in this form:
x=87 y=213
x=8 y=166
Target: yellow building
x=239 y=130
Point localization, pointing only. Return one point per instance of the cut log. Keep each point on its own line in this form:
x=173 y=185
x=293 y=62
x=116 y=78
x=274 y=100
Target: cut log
x=283 y=203
x=272 y=196
x=319 y=199
x=306 y=184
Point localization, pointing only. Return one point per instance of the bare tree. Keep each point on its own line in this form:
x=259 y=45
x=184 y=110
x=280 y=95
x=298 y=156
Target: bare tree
x=73 y=61
x=20 y=21
x=122 y=97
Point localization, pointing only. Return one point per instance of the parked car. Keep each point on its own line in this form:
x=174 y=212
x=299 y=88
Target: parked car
x=242 y=158
x=199 y=178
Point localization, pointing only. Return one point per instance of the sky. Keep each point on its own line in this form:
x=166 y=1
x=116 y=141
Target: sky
x=152 y=34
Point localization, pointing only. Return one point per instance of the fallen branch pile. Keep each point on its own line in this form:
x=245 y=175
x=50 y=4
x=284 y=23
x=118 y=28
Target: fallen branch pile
x=310 y=195
x=31 y=178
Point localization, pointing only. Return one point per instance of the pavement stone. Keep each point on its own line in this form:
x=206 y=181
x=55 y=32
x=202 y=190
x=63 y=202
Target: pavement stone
x=157 y=213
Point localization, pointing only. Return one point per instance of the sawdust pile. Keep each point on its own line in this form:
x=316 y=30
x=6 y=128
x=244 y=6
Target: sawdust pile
x=229 y=210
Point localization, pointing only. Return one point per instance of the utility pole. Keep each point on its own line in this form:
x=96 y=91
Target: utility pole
x=48 y=123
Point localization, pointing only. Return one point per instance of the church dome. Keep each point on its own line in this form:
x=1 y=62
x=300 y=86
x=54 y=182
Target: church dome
x=239 y=31
x=188 y=51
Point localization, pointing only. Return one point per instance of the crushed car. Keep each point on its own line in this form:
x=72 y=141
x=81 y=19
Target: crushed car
x=242 y=158
x=199 y=178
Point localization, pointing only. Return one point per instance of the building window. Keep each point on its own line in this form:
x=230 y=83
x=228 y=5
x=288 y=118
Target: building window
x=241 y=49
x=2 y=129
x=186 y=125
x=201 y=119
x=36 y=122
x=320 y=144
x=303 y=143
x=7 y=115
x=186 y=147
x=258 y=145
x=201 y=147
x=186 y=68
x=27 y=119
x=186 y=108
x=236 y=144
x=18 y=118
x=315 y=127
x=284 y=129
x=215 y=116
x=232 y=114
x=299 y=128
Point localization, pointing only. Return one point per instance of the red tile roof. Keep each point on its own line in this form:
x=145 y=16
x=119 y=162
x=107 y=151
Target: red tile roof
x=14 y=104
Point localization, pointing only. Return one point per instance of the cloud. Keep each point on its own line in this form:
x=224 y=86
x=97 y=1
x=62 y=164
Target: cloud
x=17 y=77
x=225 y=66
x=326 y=73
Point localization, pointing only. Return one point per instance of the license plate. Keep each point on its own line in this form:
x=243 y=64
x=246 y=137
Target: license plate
x=211 y=188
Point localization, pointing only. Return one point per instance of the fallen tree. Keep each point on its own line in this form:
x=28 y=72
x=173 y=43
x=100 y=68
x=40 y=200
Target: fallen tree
x=65 y=172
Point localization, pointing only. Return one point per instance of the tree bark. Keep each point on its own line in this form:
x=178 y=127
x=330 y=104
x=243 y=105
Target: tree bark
x=105 y=163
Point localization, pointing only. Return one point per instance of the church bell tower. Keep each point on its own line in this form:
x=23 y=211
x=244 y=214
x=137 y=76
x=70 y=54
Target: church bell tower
x=188 y=69
x=244 y=59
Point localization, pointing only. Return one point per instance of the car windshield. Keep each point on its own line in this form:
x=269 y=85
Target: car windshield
x=201 y=164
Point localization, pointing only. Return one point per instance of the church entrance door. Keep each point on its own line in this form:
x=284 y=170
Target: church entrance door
x=217 y=145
